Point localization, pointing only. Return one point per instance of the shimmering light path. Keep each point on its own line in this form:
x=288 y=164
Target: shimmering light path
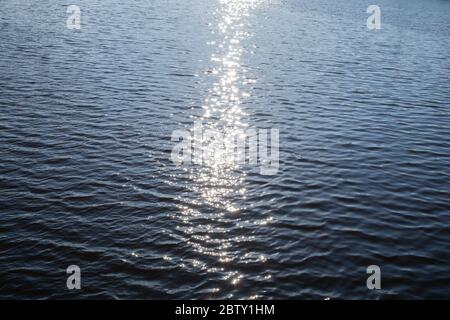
x=211 y=220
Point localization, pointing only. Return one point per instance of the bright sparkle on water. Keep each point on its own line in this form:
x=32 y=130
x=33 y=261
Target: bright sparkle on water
x=219 y=179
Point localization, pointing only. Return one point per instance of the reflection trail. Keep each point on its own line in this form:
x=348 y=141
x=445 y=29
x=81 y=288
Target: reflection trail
x=210 y=212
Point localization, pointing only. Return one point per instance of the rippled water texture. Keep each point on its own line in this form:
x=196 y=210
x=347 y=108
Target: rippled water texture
x=87 y=178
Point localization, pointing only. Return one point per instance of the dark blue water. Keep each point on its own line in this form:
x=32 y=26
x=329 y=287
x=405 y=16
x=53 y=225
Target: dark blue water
x=86 y=175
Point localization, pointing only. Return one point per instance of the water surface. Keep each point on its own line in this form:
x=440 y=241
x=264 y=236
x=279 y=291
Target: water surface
x=86 y=174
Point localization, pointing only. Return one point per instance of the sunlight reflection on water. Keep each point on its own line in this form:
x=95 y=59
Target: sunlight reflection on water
x=219 y=180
